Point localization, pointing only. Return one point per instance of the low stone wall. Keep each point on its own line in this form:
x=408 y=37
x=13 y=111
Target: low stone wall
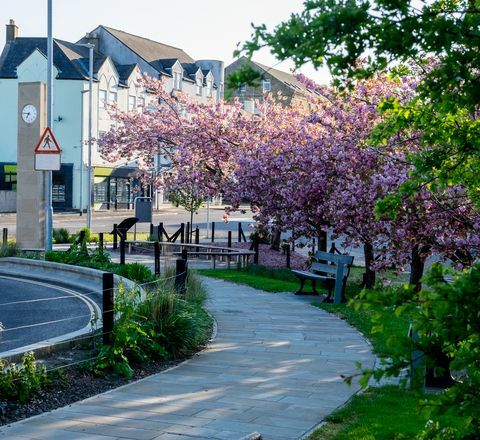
x=83 y=280
x=8 y=201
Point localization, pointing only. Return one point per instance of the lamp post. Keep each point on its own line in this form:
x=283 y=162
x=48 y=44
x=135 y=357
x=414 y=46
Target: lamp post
x=90 y=47
x=81 y=179
x=48 y=174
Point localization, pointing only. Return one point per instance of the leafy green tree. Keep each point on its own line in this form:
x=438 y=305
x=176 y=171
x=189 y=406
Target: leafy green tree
x=356 y=38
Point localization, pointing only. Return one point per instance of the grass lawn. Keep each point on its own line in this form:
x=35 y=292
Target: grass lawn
x=258 y=277
x=384 y=413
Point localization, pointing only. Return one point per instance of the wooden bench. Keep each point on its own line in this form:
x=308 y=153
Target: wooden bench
x=330 y=269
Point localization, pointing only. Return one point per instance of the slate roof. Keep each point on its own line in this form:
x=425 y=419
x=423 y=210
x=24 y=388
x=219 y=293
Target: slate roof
x=124 y=71
x=148 y=49
x=286 y=78
x=70 y=60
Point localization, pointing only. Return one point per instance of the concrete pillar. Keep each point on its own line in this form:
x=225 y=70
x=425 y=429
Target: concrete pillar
x=30 y=183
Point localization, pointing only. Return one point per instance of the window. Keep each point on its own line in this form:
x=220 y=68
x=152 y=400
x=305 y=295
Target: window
x=266 y=85
x=199 y=82
x=102 y=98
x=112 y=97
x=209 y=87
x=242 y=88
x=141 y=102
x=132 y=101
x=9 y=182
x=177 y=80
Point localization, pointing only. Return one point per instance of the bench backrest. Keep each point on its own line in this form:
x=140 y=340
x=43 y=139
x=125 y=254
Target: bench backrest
x=323 y=263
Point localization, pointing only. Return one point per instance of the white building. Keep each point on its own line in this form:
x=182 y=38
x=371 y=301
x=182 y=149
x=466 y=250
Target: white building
x=119 y=61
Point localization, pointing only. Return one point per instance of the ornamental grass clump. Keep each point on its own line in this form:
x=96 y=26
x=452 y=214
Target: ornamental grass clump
x=163 y=326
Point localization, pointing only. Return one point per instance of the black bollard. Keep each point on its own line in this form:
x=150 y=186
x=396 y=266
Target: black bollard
x=181 y=276
x=115 y=237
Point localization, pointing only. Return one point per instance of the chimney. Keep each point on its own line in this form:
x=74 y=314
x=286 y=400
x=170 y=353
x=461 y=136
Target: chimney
x=12 y=31
x=93 y=39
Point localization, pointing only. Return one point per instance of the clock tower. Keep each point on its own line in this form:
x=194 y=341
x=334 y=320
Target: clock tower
x=32 y=121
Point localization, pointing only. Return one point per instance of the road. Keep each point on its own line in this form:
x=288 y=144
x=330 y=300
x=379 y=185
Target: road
x=29 y=304
x=102 y=221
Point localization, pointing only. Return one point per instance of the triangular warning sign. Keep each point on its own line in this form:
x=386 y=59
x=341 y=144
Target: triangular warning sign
x=47 y=143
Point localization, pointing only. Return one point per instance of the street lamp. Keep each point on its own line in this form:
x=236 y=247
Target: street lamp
x=90 y=47
x=48 y=174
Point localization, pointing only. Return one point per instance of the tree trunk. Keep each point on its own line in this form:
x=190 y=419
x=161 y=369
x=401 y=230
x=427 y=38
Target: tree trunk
x=416 y=269
x=276 y=239
x=322 y=240
x=369 y=275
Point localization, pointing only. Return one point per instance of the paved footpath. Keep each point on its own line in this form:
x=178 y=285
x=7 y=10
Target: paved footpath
x=274 y=368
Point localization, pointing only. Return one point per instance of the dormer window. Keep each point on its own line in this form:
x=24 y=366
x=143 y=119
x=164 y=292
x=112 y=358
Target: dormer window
x=199 y=84
x=177 y=80
x=266 y=86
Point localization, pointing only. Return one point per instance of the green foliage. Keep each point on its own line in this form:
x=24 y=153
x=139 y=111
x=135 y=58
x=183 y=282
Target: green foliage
x=9 y=250
x=135 y=272
x=261 y=278
x=443 y=117
x=445 y=317
x=187 y=199
x=19 y=383
x=61 y=235
x=246 y=75
x=163 y=326
x=97 y=259
x=384 y=413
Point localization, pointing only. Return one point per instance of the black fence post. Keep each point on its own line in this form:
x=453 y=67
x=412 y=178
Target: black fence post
x=100 y=242
x=239 y=232
x=229 y=242
x=122 y=249
x=115 y=237
x=182 y=233
x=287 y=250
x=108 y=303
x=213 y=232
x=184 y=254
x=255 y=247
x=160 y=232
x=5 y=236
x=151 y=229
x=187 y=234
x=156 y=247
x=197 y=238
x=181 y=276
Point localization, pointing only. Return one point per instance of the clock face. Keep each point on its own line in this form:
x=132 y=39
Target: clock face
x=29 y=113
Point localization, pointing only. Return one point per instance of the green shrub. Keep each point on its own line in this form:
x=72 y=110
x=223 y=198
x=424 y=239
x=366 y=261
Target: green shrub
x=135 y=272
x=161 y=327
x=21 y=382
x=97 y=259
x=60 y=235
x=9 y=250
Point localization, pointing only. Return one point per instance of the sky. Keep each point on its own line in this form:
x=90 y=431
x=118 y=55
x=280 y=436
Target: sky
x=205 y=29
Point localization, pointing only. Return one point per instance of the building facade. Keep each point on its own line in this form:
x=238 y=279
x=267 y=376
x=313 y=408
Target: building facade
x=272 y=81
x=120 y=60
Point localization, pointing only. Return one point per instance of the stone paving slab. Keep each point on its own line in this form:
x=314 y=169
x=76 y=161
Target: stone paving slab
x=274 y=368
